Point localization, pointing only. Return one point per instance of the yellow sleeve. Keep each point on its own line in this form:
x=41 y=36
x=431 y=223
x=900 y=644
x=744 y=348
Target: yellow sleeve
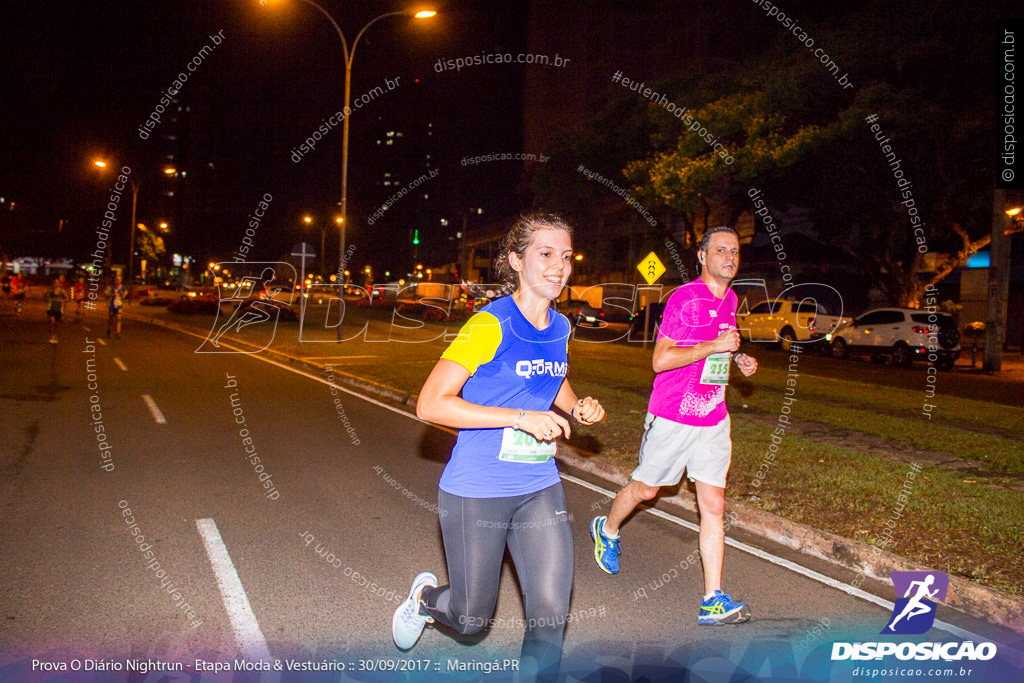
x=476 y=343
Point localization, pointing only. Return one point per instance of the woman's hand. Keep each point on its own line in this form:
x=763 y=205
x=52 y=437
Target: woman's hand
x=544 y=425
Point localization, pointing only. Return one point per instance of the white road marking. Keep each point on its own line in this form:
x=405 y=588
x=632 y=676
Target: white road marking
x=154 y=410
x=251 y=643
x=117 y=361
x=781 y=562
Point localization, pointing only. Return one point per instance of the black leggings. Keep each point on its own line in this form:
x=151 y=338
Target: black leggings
x=536 y=529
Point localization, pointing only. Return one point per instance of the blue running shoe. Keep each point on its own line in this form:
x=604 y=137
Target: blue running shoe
x=606 y=550
x=720 y=609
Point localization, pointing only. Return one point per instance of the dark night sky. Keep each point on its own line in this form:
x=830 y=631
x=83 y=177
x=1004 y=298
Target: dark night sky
x=80 y=78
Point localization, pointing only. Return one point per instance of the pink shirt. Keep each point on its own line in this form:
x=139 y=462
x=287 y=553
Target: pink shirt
x=692 y=315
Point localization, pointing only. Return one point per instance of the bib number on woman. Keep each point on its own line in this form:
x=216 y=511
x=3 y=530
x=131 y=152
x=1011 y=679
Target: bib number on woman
x=716 y=369
x=520 y=446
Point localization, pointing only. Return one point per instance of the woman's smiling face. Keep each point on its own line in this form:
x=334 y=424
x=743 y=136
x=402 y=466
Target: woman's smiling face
x=546 y=265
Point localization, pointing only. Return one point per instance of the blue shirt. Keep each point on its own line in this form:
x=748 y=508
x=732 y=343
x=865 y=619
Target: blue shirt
x=512 y=364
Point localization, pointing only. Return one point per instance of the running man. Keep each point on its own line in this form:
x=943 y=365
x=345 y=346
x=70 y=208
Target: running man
x=687 y=424
x=496 y=384
x=116 y=292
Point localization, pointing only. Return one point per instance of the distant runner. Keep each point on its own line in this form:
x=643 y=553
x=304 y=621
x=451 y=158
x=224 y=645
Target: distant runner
x=79 y=296
x=18 y=286
x=55 y=298
x=5 y=288
x=116 y=293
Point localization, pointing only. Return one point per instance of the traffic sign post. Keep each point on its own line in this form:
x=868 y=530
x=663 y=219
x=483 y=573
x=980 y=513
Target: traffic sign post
x=651 y=268
x=303 y=252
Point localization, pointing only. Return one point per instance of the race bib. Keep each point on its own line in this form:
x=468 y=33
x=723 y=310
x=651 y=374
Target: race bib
x=520 y=446
x=716 y=369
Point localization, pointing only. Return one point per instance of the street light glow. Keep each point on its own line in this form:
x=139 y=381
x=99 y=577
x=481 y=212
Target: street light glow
x=101 y=164
x=1013 y=212
x=425 y=14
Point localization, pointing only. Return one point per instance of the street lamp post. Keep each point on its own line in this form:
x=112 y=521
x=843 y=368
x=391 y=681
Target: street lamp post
x=136 y=184
x=349 y=56
x=323 y=239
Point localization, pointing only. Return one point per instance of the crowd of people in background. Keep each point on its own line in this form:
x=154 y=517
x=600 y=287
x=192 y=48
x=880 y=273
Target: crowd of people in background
x=59 y=295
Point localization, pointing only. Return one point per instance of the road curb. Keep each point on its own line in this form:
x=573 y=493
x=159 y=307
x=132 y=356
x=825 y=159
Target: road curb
x=865 y=559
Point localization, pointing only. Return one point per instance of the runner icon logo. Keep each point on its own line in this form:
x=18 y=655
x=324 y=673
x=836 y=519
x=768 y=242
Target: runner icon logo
x=916 y=593
x=255 y=294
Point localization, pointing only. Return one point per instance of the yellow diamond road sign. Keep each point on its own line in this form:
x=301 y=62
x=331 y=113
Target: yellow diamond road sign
x=651 y=268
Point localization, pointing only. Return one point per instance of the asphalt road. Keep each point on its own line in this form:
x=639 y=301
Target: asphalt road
x=313 y=567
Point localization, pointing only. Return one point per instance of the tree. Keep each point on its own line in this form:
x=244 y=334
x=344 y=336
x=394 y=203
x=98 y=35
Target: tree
x=749 y=143
x=813 y=142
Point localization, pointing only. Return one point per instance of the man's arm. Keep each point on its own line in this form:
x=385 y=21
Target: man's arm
x=669 y=356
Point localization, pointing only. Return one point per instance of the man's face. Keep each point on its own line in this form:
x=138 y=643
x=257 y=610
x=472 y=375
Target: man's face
x=722 y=259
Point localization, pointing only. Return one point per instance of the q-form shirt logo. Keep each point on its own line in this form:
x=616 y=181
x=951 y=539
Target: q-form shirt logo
x=533 y=368
x=914 y=612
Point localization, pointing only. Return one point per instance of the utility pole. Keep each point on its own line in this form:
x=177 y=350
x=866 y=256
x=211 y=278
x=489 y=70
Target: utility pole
x=998 y=284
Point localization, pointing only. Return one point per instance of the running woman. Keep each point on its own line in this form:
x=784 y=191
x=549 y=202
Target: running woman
x=117 y=293
x=687 y=424
x=496 y=383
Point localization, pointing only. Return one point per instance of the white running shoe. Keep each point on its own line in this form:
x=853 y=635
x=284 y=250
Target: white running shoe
x=407 y=625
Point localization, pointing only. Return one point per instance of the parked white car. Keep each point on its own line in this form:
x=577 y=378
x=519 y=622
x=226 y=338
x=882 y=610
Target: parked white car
x=901 y=335
x=785 y=321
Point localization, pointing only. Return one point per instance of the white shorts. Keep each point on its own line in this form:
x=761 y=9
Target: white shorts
x=669 y=447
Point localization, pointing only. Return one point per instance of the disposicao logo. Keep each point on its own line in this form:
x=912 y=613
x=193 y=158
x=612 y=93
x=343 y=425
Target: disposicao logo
x=914 y=614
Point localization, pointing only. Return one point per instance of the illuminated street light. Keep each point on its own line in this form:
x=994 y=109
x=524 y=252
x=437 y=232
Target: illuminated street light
x=349 y=56
x=170 y=171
